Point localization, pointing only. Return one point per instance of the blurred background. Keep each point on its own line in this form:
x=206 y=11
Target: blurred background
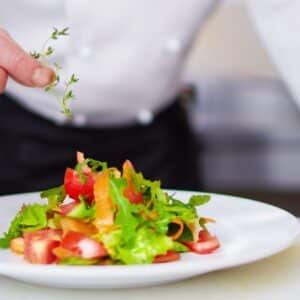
x=244 y=115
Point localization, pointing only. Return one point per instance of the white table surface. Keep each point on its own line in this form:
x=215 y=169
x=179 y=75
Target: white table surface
x=274 y=278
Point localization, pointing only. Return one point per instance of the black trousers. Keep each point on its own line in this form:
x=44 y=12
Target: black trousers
x=35 y=152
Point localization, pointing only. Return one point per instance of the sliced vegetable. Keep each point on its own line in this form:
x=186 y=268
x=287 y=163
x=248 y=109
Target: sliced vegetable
x=83 y=246
x=70 y=224
x=168 y=257
x=39 y=246
x=105 y=207
x=130 y=192
x=29 y=218
x=179 y=229
x=62 y=253
x=206 y=243
x=65 y=209
x=75 y=186
x=78 y=210
x=111 y=218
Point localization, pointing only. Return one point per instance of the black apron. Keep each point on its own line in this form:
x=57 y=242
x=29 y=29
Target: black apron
x=35 y=152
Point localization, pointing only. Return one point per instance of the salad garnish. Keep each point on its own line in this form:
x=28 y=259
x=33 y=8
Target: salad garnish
x=44 y=54
x=101 y=215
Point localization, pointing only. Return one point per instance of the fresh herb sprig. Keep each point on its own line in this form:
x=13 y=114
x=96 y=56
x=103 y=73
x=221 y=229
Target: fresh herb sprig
x=43 y=55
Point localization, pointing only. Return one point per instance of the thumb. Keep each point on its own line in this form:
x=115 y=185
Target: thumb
x=21 y=66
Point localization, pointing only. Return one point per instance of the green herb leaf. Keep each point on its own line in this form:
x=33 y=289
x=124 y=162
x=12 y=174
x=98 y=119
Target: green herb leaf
x=43 y=55
x=198 y=200
x=96 y=165
x=55 y=196
x=187 y=235
x=35 y=54
x=125 y=214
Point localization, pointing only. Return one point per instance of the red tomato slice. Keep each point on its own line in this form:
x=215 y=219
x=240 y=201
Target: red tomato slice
x=83 y=246
x=206 y=243
x=39 y=245
x=74 y=187
x=204 y=235
x=66 y=208
x=132 y=196
x=169 y=256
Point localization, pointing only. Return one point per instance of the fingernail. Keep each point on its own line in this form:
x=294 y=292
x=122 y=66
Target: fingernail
x=42 y=76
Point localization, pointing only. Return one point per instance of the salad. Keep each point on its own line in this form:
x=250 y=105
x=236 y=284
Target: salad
x=101 y=215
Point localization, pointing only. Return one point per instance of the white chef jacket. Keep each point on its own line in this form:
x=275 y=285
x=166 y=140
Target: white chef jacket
x=129 y=54
x=278 y=25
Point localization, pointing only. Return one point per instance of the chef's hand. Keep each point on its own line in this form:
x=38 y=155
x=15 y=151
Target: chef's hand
x=17 y=64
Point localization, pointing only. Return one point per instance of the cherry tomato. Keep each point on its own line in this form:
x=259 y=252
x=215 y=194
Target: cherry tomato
x=75 y=187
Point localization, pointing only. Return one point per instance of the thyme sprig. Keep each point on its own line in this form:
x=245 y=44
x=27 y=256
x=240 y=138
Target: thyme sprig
x=43 y=56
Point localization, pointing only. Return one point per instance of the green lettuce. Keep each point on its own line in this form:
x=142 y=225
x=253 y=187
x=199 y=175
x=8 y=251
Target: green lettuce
x=30 y=218
x=146 y=245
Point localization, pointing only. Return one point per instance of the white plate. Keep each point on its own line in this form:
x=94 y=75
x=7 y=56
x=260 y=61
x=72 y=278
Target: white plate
x=248 y=231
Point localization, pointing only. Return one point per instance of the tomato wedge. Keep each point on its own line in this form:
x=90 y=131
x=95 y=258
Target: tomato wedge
x=206 y=243
x=75 y=187
x=38 y=246
x=64 y=209
x=83 y=246
x=129 y=192
x=169 y=256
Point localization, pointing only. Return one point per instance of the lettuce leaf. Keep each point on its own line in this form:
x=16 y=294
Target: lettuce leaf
x=146 y=246
x=30 y=218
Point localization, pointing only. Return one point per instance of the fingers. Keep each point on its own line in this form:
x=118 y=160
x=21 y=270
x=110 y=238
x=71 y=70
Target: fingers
x=21 y=66
x=3 y=80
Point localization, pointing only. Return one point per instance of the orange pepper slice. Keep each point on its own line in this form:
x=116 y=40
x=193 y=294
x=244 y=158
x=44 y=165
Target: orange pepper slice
x=70 y=224
x=104 y=205
x=179 y=232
